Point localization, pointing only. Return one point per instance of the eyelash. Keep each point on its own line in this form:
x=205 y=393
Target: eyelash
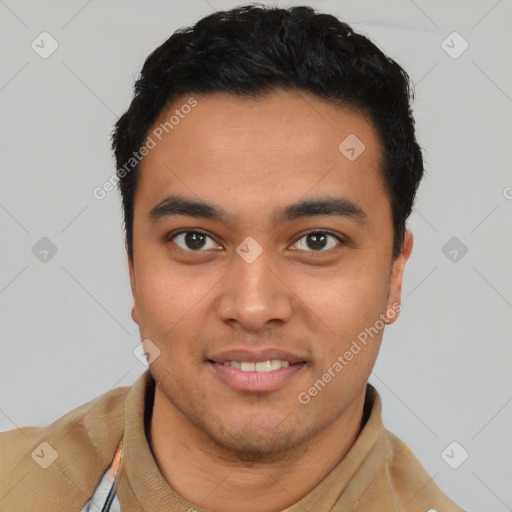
x=174 y=234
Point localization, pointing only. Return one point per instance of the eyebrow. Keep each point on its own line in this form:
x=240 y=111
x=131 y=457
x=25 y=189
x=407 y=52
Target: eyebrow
x=321 y=206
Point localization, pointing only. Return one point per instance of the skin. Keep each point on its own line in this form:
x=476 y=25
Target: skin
x=260 y=451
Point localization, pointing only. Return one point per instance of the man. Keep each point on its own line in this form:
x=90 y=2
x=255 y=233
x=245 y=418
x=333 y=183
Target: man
x=267 y=165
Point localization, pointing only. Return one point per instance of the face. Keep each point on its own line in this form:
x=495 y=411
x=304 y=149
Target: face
x=257 y=240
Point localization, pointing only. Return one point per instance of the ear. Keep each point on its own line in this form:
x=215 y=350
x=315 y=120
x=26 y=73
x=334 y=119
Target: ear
x=133 y=286
x=397 y=272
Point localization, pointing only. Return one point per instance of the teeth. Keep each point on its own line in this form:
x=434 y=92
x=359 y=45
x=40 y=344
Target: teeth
x=264 y=366
x=275 y=364
x=260 y=366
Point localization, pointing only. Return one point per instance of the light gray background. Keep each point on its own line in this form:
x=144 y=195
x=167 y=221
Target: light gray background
x=67 y=336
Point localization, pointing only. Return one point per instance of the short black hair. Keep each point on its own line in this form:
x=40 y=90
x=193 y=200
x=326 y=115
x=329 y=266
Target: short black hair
x=255 y=49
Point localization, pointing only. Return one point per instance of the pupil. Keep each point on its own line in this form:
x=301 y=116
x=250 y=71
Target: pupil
x=315 y=238
x=194 y=241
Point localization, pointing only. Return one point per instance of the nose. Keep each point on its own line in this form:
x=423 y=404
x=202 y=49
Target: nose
x=254 y=294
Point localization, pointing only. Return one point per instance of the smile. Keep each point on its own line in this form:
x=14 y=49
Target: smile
x=256 y=377
x=259 y=366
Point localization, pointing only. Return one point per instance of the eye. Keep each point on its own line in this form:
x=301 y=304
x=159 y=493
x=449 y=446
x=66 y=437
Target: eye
x=199 y=241
x=193 y=241
x=318 y=241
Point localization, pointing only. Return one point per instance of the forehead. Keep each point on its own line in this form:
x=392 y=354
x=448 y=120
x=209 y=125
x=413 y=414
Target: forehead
x=279 y=146
x=280 y=120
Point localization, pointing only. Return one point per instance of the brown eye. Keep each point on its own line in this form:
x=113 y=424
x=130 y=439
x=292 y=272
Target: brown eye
x=317 y=241
x=193 y=241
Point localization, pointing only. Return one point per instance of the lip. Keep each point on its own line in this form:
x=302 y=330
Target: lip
x=253 y=356
x=255 y=382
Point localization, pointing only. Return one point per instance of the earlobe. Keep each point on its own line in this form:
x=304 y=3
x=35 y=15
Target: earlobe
x=395 y=286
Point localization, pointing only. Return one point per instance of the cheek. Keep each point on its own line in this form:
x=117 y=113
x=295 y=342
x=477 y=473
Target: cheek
x=159 y=299
x=169 y=299
x=347 y=300
x=346 y=310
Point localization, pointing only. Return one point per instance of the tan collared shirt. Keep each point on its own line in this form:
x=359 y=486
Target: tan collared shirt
x=57 y=468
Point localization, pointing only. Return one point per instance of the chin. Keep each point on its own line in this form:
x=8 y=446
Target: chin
x=254 y=446
x=256 y=440
x=244 y=431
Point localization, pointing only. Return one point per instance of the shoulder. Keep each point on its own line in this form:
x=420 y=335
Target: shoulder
x=59 y=465
x=412 y=485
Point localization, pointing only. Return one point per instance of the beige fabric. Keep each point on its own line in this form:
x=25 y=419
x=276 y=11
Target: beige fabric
x=378 y=474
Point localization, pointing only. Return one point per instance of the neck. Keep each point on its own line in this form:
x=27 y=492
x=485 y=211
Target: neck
x=211 y=478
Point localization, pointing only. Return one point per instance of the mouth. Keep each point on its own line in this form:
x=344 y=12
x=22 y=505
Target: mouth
x=256 y=375
x=270 y=365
